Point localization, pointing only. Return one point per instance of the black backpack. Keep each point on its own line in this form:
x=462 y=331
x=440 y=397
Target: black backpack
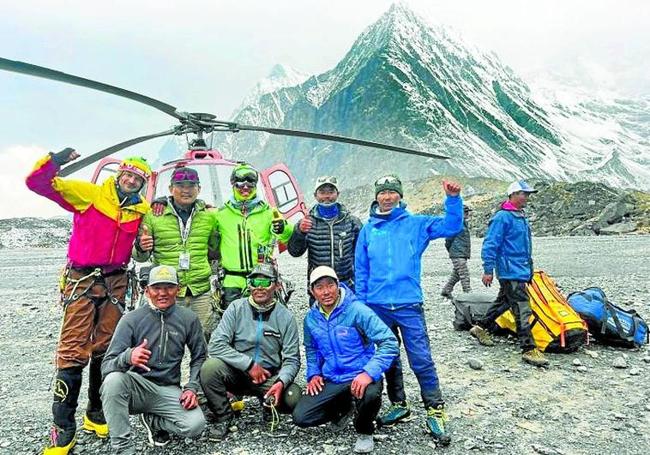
x=471 y=309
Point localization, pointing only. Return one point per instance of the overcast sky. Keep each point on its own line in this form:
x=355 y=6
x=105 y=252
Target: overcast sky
x=207 y=55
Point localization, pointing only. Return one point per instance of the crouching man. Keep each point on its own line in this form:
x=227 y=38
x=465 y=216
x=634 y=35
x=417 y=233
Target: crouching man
x=343 y=366
x=142 y=368
x=255 y=350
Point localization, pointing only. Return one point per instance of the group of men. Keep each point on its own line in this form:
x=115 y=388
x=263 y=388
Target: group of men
x=366 y=299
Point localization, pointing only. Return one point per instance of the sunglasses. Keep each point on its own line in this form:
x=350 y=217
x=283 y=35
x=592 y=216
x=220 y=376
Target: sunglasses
x=387 y=179
x=185 y=176
x=260 y=282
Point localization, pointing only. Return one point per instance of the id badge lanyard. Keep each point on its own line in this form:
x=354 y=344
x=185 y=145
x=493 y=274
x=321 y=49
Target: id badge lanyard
x=184 y=258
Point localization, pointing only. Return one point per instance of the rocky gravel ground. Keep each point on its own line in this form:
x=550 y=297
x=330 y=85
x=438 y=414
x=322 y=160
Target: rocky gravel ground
x=594 y=401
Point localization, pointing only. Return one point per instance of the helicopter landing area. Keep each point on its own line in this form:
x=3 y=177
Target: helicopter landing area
x=581 y=404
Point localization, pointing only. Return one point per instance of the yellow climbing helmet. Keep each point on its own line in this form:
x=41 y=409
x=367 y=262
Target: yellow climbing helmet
x=137 y=165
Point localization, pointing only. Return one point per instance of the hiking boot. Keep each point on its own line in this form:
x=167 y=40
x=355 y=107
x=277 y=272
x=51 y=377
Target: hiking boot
x=94 y=422
x=436 y=419
x=482 y=335
x=61 y=441
x=446 y=295
x=220 y=430
x=395 y=413
x=535 y=357
x=364 y=444
x=341 y=422
x=155 y=436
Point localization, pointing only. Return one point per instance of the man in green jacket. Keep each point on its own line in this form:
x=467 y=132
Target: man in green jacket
x=180 y=238
x=248 y=229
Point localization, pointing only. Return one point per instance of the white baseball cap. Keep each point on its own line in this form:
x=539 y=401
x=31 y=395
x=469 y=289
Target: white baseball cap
x=327 y=180
x=520 y=185
x=322 y=271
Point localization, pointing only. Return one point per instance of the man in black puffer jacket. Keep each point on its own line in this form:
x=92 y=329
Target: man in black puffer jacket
x=329 y=233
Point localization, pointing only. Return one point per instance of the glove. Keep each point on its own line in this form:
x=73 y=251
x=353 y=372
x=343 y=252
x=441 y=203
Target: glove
x=64 y=156
x=278 y=226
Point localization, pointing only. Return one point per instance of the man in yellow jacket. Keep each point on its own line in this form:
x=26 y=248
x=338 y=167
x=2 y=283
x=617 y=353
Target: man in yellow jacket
x=106 y=219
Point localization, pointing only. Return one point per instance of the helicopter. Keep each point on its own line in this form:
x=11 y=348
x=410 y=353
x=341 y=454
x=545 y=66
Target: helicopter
x=278 y=186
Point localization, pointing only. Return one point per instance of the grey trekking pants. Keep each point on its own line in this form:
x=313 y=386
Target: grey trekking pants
x=130 y=393
x=459 y=273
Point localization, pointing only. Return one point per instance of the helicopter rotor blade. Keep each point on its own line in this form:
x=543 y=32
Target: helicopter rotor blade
x=344 y=139
x=75 y=166
x=47 y=73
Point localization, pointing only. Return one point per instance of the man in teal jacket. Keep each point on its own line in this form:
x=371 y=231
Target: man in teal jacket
x=181 y=237
x=388 y=262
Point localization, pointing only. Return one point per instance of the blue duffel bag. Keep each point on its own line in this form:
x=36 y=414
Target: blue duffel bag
x=608 y=323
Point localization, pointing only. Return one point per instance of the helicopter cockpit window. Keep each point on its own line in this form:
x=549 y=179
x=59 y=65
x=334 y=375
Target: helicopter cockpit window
x=284 y=191
x=215 y=183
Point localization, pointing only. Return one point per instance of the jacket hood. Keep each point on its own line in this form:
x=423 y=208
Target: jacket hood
x=110 y=185
x=396 y=213
x=510 y=207
x=261 y=206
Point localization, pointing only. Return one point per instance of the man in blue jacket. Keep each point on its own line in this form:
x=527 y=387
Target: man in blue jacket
x=388 y=262
x=508 y=248
x=343 y=365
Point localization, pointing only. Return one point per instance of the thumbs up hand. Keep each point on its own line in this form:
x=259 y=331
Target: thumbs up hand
x=146 y=239
x=140 y=355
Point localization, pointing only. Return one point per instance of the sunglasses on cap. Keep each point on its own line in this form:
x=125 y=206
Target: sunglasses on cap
x=387 y=179
x=184 y=175
x=260 y=282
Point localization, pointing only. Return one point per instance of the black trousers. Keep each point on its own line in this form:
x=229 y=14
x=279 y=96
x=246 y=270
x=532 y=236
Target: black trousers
x=335 y=401
x=513 y=296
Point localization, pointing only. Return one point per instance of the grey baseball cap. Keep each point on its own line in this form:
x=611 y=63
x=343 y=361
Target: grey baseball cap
x=163 y=274
x=264 y=269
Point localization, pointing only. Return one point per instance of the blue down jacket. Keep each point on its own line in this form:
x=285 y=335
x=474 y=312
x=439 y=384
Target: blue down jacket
x=388 y=257
x=340 y=347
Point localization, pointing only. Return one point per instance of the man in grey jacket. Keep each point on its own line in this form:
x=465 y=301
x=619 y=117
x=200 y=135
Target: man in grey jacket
x=254 y=351
x=142 y=368
x=459 y=249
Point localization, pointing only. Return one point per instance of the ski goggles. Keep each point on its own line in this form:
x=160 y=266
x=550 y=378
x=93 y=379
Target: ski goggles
x=185 y=175
x=245 y=184
x=260 y=282
x=387 y=180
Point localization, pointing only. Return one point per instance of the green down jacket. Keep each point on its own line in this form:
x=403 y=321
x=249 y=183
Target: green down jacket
x=240 y=238
x=168 y=245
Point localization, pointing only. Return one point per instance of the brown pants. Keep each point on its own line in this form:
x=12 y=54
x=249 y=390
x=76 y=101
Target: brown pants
x=89 y=320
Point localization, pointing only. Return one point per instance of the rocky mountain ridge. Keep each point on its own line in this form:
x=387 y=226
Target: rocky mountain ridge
x=559 y=209
x=409 y=83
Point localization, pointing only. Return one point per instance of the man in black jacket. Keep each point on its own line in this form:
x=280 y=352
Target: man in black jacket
x=459 y=248
x=142 y=368
x=328 y=234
